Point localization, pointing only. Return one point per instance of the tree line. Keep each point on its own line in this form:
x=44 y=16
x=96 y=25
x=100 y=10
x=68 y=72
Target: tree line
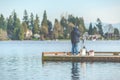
x=30 y=27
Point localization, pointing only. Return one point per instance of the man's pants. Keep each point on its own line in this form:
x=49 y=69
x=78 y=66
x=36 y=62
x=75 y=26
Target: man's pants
x=74 y=48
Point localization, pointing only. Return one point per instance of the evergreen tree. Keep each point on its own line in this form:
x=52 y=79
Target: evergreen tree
x=3 y=27
x=3 y=24
x=49 y=26
x=78 y=21
x=110 y=29
x=16 y=29
x=90 y=31
x=71 y=19
x=71 y=23
x=44 y=21
x=24 y=26
x=116 y=31
x=57 y=30
x=31 y=21
x=99 y=25
x=25 y=18
x=64 y=25
x=16 y=24
x=49 y=29
x=81 y=26
x=21 y=33
x=36 y=25
x=44 y=32
x=44 y=25
x=63 y=22
x=69 y=29
x=81 y=29
x=94 y=31
x=10 y=27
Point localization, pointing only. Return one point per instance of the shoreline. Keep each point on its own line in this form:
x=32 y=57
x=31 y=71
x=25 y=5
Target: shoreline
x=55 y=40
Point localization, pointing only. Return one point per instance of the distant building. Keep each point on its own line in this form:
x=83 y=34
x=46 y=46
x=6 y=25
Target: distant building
x=37 y=36
x=94 y=37
x=28 y=34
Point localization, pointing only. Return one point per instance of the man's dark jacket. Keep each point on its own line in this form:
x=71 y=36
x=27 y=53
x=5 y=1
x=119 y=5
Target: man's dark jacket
x=75 y=35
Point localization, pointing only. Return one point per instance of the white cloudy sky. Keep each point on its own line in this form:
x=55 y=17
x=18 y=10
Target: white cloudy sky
x=107 y=10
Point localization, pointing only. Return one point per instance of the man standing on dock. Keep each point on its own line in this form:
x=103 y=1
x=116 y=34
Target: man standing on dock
x=75 y=36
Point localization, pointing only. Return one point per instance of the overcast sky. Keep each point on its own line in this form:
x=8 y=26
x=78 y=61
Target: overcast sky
x=107 y=10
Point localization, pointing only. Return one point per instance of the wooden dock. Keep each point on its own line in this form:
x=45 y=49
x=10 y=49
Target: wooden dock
x=66 y=56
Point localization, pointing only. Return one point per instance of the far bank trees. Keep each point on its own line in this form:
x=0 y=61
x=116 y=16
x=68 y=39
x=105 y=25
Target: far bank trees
x=32 y=28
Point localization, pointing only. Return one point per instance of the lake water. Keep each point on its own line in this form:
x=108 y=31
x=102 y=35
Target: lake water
x=21 y=60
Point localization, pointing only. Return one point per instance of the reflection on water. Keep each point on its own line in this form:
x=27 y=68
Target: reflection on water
x=78 y=70
x=75 y=71
x=83 y=69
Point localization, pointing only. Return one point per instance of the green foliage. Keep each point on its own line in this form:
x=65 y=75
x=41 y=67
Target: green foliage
x=63 y=22
x=13 y=26
x=49 y=26
x=82 y=25
x=94 y=31
x=3 y=24
x=21 y=33
x=64 y=25
x=44 y=25
x=77 y=22
x=31 y=21
x=25 y=18
x=72 y=19
x=44 y=30
x=36 y=25
x=10 y=27
x=81 y=29
x=57 y=30
x=50 y=30
x=90 y=31
x=61 y=30
x=116 y=33
x=44 y=21
x=99 y=25
x=24 y=26
x=16 y=27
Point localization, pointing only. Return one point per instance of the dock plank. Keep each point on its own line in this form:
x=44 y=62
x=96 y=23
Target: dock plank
x=64 y=56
